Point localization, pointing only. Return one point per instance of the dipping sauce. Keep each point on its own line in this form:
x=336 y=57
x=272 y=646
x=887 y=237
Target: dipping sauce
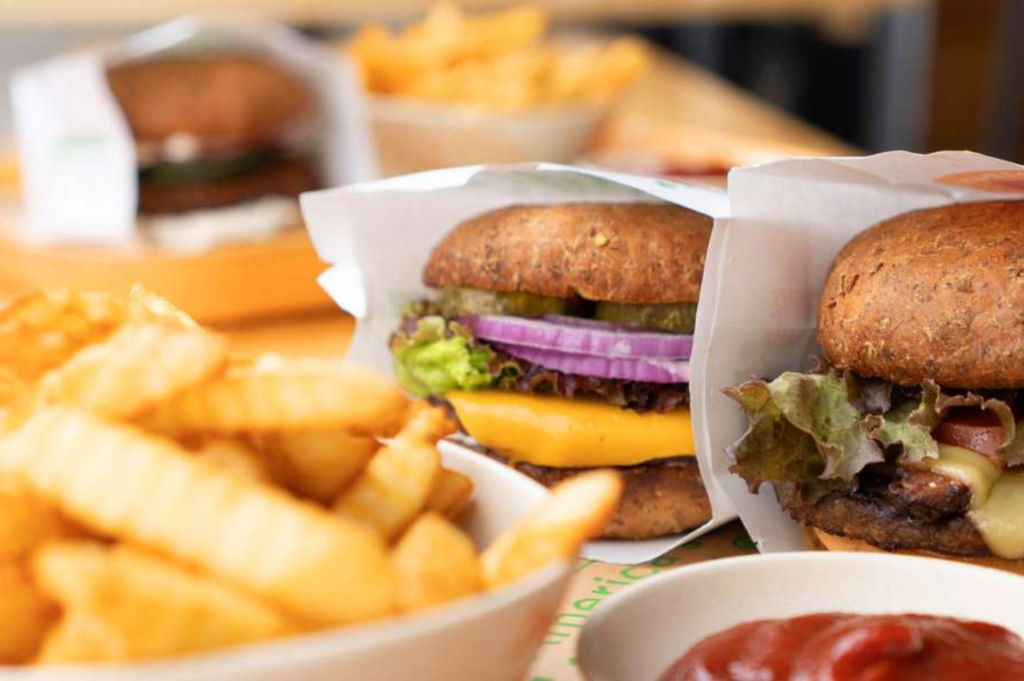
x=846 y=647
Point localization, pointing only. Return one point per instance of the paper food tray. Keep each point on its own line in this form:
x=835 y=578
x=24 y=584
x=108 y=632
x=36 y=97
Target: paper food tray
x=378 y=236
x=766 y=269
x=77 y=154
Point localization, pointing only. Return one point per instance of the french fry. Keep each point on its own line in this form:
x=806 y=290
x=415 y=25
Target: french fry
x=68 y=573
x=11 y=387
x=397 y=482
x=299 y=395
x=25 y=614
x=145 y=607
x=316 y=464
x=42 y=329
x=500 y=60
x=616 y=65
x=393 y=488
x=68 y=570
x=135 y=369
x=143 y=511
x=434 y=562
x=577 y=510
x=79 y=638
x=120 y=481
x=145 y=306
x=426 y=423
x=451 y=493
x=27 y=521
x=234 y=457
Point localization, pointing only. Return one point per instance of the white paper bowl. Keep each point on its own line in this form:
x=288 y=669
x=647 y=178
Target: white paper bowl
x=636 y=635
x=413 y=135
x=487 y=637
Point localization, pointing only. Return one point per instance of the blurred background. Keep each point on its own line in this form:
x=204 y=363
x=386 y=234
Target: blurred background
x=676 y=88
x=875 y=74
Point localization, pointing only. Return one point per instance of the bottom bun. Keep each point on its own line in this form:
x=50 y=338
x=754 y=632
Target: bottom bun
x=658 y=499
x=833 y=542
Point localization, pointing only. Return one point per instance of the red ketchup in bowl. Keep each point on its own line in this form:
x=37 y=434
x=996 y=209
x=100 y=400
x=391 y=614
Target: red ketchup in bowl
x=846 y=647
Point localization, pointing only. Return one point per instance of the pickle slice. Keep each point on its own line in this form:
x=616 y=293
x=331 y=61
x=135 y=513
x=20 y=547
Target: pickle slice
x=677 y=317
x=207 y=170
x=456 y=302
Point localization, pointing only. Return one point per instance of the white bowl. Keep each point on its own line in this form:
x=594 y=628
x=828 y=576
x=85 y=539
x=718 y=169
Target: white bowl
x=636 y=635
x=491 y=636
x=414 y=135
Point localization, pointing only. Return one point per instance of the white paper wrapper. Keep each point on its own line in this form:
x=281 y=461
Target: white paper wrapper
x=766 y=268
x=77 y=154
x=378 y=236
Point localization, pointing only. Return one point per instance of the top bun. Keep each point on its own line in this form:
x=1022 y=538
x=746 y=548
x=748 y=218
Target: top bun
x=937 y=293
x=227 y=101
x=622 y=253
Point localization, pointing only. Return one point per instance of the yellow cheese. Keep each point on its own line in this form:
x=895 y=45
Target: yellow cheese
x=973 y=469
x=559 y=433
x=997 y=498
x=1000 y=520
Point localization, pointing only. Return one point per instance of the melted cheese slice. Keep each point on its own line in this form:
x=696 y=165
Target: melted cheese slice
x=1000 y=520
x=969 y=467
x=997 y=498
x=559 y=433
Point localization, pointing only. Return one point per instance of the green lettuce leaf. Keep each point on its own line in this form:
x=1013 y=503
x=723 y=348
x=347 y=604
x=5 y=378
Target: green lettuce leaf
x=820 y=430
x=909 y=425
x=818 y=405
x=772 y=450
x=433 y=356
x=826 y=426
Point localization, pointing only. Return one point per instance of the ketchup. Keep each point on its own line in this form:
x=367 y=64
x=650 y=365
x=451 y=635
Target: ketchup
x=846 y=647
x=972 y=428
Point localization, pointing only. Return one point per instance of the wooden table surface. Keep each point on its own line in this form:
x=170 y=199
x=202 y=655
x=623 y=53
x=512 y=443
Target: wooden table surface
x=323 y=334
x=688 y=114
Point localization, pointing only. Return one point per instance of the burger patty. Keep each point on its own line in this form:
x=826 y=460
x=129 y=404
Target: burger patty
x=659 y=498
x=917 y=510
x=282 y=176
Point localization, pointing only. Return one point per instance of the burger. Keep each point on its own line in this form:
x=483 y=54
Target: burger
x=222 y=144
x=559 y=336
x=905 y=438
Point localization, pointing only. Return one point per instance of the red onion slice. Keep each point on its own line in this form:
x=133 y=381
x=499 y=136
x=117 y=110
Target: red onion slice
x=622 y=368
x=606 y=341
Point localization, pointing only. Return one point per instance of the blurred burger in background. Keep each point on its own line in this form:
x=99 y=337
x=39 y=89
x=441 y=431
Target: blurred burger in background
x=560 y=337
x=222 y=142
x=907 y=437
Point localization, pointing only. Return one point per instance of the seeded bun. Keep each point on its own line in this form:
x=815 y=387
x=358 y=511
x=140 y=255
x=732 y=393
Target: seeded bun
x=622 y=253
x=230 y=102
x=658 y=499
x=936 y=293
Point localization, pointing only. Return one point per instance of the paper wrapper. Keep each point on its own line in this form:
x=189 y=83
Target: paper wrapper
x=767 y=266
x=595 y=582
x=378 y=237
x=77 y=155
